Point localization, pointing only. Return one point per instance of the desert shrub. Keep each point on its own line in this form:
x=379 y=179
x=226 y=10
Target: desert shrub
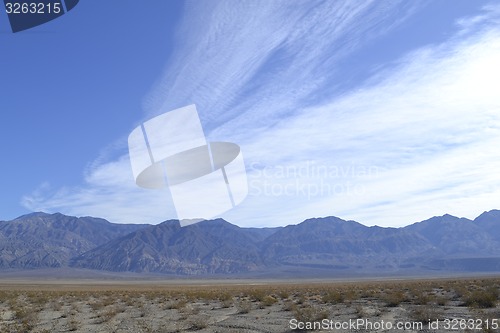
x=179 y=304
x=96 y=305
x=225 y=297
x=268 y=301
x=73 y=325
x=351 y=295
x=421 y=298
x=38 y=299
x=109 y=313
x=21 y=312
x=301 y=299
x=20 y=327
x=481 y=299
x=310 y=313
x=460 y=291
x=244 y=306
x=394 y=298
x=227 y=303
x=441 y=300
x=99 y=304
x=146 y=326
x=109 y=300
x=360 y=311
x=197 y=323
x=424 y=313
x=289 y=306
x=367 y=293
x=333 y=297
x=283 y=294
x=257 y=295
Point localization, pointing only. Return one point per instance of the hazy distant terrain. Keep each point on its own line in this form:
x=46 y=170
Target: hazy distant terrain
x=326 y=247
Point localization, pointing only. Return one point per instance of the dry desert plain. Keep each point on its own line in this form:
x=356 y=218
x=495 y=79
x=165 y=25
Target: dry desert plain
x=418 y=305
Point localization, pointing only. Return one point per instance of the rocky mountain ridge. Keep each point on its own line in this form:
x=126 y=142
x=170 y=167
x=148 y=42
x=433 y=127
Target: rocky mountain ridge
x=328 y=245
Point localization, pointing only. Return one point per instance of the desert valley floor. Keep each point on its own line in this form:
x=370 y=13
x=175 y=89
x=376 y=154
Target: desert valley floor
x=416 y=305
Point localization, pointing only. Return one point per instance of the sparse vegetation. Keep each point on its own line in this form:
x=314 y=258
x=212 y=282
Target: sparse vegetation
x=73 y=325
x=289 y=306
x=393 y=298
x=197 y=323
x=175 y=308
x=425 y=313
x=244 y=306
x=310 y=313
x=481 y=299
x=333 y=297
x=268 y=301
x=180 y=304
x=360 y=312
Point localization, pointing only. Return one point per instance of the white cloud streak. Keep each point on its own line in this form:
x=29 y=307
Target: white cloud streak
x=420 y=138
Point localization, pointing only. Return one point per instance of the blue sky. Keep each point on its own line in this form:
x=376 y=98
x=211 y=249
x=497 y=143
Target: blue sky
x=382 y=112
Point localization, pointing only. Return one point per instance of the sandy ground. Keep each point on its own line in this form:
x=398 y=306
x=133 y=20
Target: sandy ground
x=441 y=305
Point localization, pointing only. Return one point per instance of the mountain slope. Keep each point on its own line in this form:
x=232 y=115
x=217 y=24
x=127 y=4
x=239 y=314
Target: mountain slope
x=455 y=236
x=334 y=242
x=490 y=223
x=213 y=246
x=50 y=240
x=330 y=244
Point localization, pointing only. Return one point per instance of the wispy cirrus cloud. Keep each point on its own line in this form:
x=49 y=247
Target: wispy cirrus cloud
x=430 y=126
x=260 y=61
x=416 y=138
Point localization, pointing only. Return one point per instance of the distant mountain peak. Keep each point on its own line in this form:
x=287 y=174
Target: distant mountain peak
x=325 y=220
x=446 y=218
x=34 y=214
x=494 y=213
x=328 y=244
x=41 y=240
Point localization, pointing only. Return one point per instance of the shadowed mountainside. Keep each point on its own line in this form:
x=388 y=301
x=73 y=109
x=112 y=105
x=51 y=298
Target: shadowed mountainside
x=51 y=240
x=207 y=247
x=330 y=244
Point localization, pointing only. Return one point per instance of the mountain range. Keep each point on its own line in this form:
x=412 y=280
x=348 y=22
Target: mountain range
x=326 y=246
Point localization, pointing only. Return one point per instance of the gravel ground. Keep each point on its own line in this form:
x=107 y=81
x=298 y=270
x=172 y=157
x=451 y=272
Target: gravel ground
x=467 y=305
